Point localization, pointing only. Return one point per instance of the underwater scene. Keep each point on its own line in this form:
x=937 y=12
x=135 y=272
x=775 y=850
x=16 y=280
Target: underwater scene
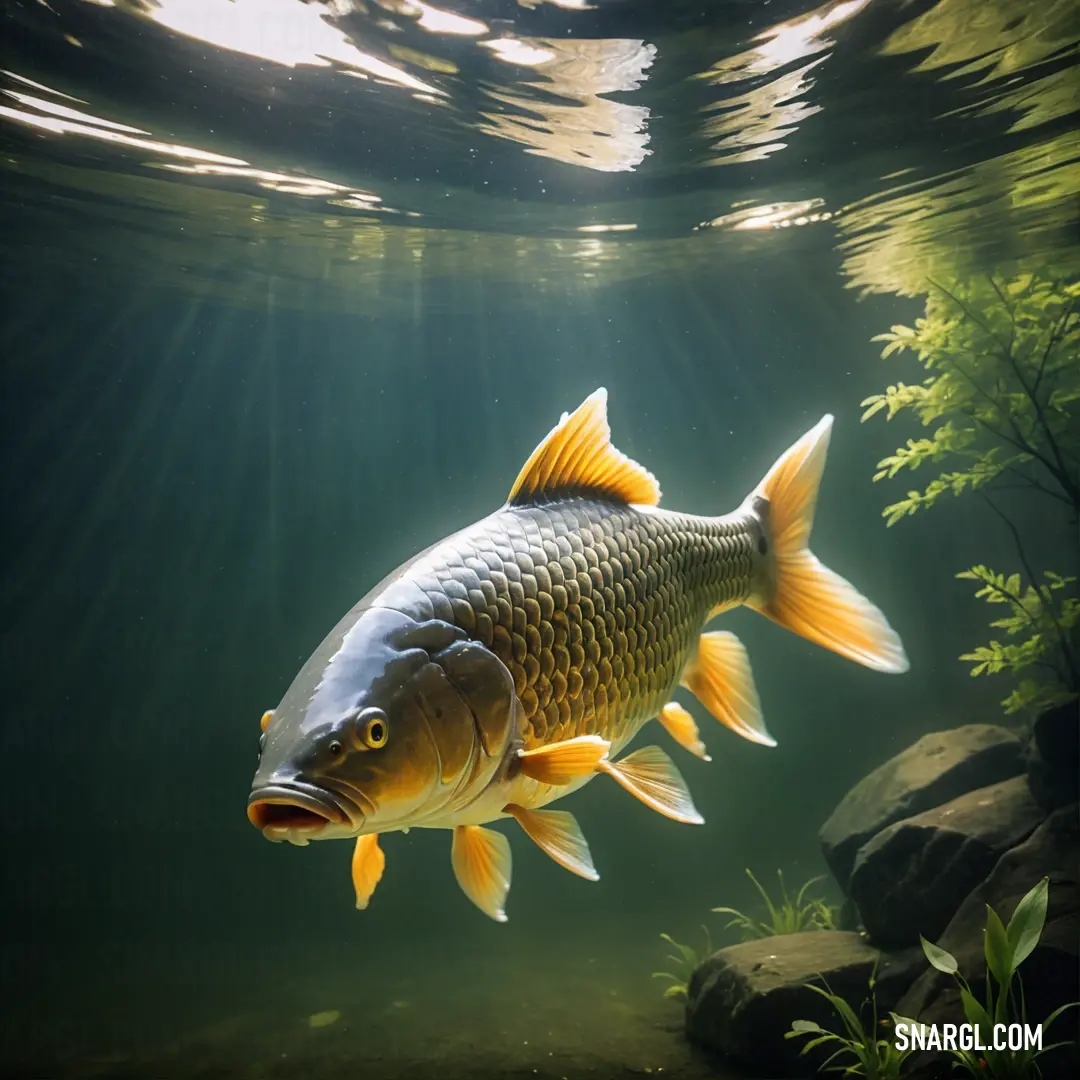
x=540 y=539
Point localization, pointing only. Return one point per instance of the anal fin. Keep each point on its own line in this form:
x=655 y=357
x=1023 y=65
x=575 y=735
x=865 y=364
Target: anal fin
x=650 y=775
x=719 y=676
x=368 y=863
x=682 y=727
x=563 y=762
x=557 y=834
x=482 y=863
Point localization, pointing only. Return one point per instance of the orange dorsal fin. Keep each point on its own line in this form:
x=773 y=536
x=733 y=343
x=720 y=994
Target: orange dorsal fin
x=577 y=456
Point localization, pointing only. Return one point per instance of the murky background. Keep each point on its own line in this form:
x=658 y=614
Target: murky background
x=290 y=291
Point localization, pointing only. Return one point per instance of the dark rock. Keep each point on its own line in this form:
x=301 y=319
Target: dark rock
x=849 y=916
x=1053 y=756
x=1051 y=974
x=912 y=877
x=934 y=770
x=744 y=998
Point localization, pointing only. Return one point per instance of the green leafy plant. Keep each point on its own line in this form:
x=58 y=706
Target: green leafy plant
x=686 y=959
x=860 y=1051
x=1002 y=395
x=1005 y=948
x=787 y=916
x=1037 y=615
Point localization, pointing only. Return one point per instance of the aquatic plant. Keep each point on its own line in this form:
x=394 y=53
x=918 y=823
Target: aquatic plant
x=1039 y=618
x=1003 y=397
x=686 y=959
x=867 y=1054
x=1005 y=948
x=788 y=916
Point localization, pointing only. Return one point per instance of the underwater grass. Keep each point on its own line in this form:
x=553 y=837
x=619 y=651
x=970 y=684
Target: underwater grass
x=686 y=960
x=858 y=1052
x=787 y=916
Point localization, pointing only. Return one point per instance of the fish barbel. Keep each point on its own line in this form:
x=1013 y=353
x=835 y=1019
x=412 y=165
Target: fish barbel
x=508 y=665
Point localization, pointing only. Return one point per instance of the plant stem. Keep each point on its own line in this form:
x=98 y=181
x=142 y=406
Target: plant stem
x=1072 y=678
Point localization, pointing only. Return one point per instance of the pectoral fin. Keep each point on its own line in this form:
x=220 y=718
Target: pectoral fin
x=649 y=775
x=482 y=863
x=368 y=862
x=719 y=677
x=563 y=762
x=680 y=725
x=558 y=834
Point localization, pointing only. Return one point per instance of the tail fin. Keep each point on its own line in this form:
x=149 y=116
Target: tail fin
x=809 y=598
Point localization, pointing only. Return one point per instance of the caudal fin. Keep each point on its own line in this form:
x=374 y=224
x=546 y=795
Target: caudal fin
x=809 y=598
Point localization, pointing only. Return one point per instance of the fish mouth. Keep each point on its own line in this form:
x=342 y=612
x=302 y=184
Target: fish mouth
x=291 y=812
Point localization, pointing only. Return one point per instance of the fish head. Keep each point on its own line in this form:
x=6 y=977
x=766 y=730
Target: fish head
x=392 y=722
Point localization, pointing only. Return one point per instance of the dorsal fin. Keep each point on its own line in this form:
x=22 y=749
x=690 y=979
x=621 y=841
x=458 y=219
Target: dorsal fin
x=577 y=456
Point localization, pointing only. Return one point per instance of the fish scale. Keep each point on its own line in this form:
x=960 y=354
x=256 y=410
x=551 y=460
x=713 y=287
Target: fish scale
x=594 y=607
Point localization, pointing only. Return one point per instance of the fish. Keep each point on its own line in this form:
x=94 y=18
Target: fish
x=508 y=665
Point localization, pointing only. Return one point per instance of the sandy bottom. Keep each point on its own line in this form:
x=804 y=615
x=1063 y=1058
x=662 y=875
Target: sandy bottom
x=566 y=1010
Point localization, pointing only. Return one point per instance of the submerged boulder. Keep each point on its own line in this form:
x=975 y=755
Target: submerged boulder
x=1053 y=756
x=743 y=999
x=936 y=769
x=1051 y=974
x=912 y=877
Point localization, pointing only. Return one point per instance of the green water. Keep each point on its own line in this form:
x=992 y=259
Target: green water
x=233 y=400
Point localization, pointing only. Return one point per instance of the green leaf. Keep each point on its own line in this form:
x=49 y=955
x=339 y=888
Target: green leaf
x=873 y=405
x=998 y=950
x=821 y=1040
x=938 y=957
x=974 y=1011
x=912 y=1025
x=1026 y=925
x=802 y=1027
x=850 y=1019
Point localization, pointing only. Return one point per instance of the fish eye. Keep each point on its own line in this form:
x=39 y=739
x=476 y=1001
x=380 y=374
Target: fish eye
x=372 y=728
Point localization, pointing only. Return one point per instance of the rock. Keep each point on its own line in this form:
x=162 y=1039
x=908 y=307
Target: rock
x=744 y=998
x=1050 y=974
x=1053 y=754
x=936 y=769
x=912 y=877
x=848 y=918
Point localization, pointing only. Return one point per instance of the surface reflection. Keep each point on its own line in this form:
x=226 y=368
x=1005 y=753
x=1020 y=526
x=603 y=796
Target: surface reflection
x=762 y=103
x=571 y=121
x=552 y=142
x=286 y=32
